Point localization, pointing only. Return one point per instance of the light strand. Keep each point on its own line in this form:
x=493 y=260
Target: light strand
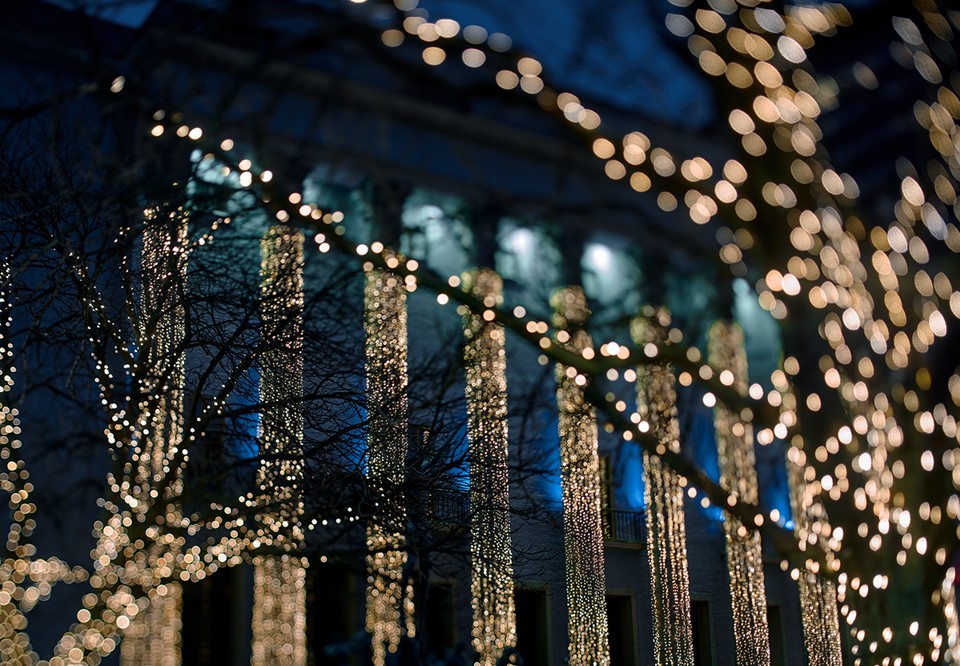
x=738 y=475
x=153 y=636
x=948 y=599
x=279 y=600
x=818 y=595
x=389 y=591
x=494 y=614
x=663 y=492
x=580 y=486
x=279 y=610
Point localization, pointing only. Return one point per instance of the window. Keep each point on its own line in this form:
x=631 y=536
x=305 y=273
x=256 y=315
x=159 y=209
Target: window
x=778 y=647
x=702 y=632
x=440 y=619
x=623 y=635
x=331 y=614
x=210 y=635
x=533 y=626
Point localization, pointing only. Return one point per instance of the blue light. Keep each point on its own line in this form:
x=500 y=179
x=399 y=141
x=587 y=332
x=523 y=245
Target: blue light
x=628 y=493
x=247 y=445
x=761 y=332
x=548 y=444
x=459 y=454
x=700 y=444
x=774 y=484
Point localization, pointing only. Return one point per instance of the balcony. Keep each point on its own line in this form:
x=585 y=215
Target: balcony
x=450 y=507
x=624 y=528
x=620 y=528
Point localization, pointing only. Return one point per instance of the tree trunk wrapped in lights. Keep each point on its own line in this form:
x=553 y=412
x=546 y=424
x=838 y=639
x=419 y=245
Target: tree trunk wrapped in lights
x=494 y=615
x=389 y=592
x=279 y=601
x=666 y=532
x=580 y=480
x=153 y=636
x=738 y=476
x=818 y=595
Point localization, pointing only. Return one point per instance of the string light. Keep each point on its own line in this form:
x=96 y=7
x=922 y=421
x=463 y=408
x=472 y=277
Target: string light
x=279 y=610
x=738 y=475
x=818 y=594
x=666 y=532
x=153 y=635
x=948 y=599
x=390 y=612
x=485 y=364
x=580 y=487
x=279 y=597
x=140 y=555
x=747 y=418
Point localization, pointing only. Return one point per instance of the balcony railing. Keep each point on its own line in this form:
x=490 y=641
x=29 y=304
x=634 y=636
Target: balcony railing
x=624 y=527
x=450 y=507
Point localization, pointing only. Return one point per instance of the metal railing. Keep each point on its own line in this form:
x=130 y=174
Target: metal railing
x=624 y=527
x=450 y=507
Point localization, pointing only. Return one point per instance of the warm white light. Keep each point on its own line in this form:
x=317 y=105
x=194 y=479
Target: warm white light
x=738 y=476
x=663 y=492
x=580 y=485
x=485 y=364
x=389 y=595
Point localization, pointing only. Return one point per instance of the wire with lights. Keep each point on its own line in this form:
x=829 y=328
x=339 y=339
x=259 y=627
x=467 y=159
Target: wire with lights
x=818 y=594
x=663 y=492
x=580 y=488
x=390 y=611
x=738 y=474
x=153 y=636
x=485 y=365
x=279 y=592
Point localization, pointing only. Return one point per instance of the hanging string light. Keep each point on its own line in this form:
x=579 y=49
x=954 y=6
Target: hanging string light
x=279 y=599
x=738 y=476
x=494 y=615
x=798 y=26
x=143 y=641
x=818 y=595
x=580 y=481
x=948 y=599
x=389 y=590
x=153 y=637
x=279 y=615
x=812 y=225
x=663 y=490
